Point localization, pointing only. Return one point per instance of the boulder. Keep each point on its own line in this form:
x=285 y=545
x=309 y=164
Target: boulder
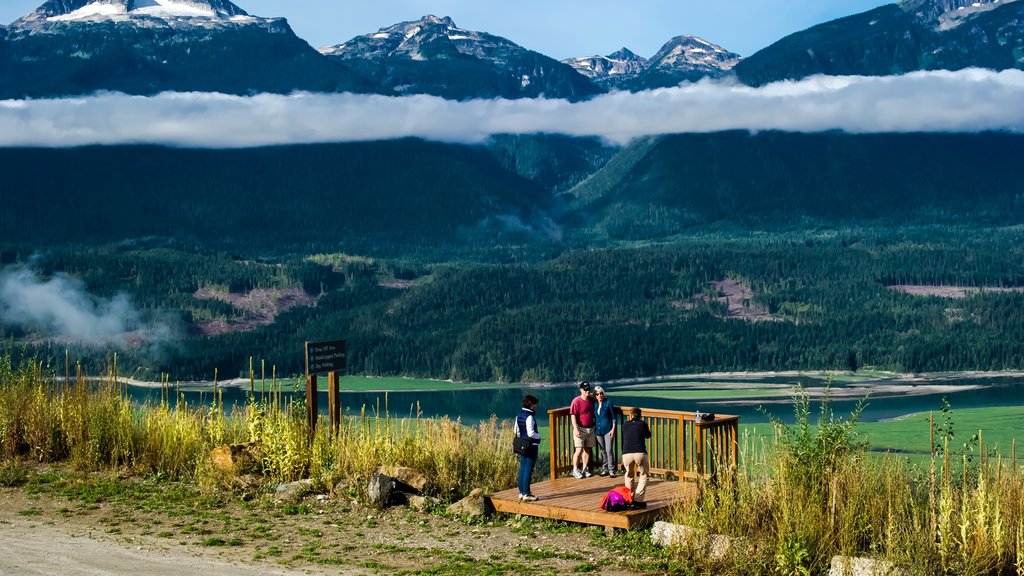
x=235 y=458
x=421 y=503
x=382 y=490
x=859 y=566
x=472 y=506
x=719 y=545
x=292 y=492
x=408 y=479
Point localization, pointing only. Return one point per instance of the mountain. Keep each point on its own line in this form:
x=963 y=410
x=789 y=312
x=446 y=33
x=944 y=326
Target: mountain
x=611 y=71
x=552 y=161
x=895 y=39
x=400 y=192
x=662 y=186
x=681 y=59
x=434 y=56
x=685 y=59
x=69 y=47
x=945 y=14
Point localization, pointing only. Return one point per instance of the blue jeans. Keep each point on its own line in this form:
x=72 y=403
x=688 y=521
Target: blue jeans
x=526 y=463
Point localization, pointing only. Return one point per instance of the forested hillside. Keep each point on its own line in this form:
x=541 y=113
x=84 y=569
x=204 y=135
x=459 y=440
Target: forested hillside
x=283 y=198
x=664 y=186
x=466 y=262
x=609 y=313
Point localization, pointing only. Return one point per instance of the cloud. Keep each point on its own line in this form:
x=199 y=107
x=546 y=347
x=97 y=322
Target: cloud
x=61 y=309
x=964 y=101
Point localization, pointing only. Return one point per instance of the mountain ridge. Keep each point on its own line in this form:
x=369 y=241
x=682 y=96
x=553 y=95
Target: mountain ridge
x=895 y=39
x=681 y=59
x=150 y=46
x=433 y=55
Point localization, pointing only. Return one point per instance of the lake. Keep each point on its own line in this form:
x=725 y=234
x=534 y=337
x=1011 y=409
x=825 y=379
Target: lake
x=889 y=396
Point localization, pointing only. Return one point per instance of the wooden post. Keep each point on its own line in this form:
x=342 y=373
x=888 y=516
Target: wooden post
x=553 y=427
x=736 y=446
x=311 y=406
x=698 y=440
x=681 y=449
x=334 y=401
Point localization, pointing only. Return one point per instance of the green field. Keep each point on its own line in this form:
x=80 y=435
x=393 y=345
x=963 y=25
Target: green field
x=997 y=427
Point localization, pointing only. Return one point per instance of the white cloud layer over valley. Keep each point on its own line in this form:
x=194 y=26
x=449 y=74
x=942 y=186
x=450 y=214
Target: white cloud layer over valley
x=964 y=101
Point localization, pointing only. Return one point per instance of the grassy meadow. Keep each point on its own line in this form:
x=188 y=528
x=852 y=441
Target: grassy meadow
x=824 y=485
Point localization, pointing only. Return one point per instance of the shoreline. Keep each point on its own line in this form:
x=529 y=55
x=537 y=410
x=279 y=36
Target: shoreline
x=737 y=379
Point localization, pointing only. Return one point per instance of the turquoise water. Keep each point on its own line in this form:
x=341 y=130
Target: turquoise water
x=899 y=398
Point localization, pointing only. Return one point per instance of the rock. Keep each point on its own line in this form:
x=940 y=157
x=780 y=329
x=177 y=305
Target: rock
x=235 y=458
x=473 y=506
x=382 y=490
x=247 y=486
x=409 y=479
x=421 y=503
x=668 y=534
x=857 y=566
x=292 y=492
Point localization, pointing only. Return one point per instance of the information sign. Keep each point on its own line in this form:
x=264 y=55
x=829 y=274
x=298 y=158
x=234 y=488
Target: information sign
x=324 y=357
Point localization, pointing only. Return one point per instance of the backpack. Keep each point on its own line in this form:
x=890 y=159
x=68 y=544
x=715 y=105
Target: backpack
x=617 y=499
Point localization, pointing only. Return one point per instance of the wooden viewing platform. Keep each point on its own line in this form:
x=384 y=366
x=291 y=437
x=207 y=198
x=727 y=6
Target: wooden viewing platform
x=681 y=451
x=579 y=500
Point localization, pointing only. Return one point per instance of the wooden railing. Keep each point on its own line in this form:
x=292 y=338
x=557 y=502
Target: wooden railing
x=679 y=445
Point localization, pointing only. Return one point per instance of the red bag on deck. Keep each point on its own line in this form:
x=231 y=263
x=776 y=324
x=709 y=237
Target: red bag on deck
x=618 y=498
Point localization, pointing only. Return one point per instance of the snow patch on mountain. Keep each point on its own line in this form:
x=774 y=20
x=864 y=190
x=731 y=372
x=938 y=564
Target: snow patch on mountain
x=948 y=14
x=89 y=11
x=203 y=13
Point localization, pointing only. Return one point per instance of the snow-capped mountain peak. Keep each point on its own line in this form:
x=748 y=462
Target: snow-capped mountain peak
x=433 y=55
x=406 y=38
x=683 y=58
x=87 y=11
x=617 y=64
x=693 y=52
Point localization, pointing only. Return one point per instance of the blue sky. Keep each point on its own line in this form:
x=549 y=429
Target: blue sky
x=557 y=28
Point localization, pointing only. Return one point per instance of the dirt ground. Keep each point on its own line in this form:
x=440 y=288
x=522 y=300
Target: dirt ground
x=52 y=534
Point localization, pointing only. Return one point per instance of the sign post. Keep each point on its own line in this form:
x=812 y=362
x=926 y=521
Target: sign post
x=330 y=357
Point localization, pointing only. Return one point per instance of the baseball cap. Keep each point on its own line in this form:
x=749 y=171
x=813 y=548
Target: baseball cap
x=584 y=385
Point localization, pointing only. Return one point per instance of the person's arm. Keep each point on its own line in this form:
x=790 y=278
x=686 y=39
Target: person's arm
x=574 y=418
x=531 y=428
x=611 y=415
x=647 y=430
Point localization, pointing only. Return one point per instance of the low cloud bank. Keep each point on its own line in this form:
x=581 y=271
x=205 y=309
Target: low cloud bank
x=60 y=309
x=964 y=101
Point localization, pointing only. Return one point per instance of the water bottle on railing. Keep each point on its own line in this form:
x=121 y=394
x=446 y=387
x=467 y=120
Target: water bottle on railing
x=696 y=417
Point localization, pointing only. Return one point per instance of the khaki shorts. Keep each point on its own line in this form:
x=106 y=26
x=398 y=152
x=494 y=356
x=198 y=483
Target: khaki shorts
x=586 y=439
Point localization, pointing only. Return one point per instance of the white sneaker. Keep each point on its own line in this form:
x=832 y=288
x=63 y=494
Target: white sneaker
x=529 y=498
x=577 y=473
x=587 y=474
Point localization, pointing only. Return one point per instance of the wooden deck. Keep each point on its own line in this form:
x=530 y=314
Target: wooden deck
x=578 y=500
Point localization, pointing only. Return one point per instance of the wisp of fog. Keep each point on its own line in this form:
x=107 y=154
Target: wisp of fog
x=971 y=100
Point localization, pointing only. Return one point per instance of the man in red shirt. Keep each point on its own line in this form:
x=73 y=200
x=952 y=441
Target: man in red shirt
x=581 y=412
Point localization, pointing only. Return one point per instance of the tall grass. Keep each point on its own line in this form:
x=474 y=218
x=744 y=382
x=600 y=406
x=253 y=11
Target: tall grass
x=815 y=491
x=95 y=425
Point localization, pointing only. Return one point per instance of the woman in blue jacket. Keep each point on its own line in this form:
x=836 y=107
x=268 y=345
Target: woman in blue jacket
x=526 y=427
x=604 y=413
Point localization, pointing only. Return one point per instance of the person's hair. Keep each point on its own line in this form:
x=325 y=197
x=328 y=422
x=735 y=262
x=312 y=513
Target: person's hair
x=529 y=401
x=598 y=390
x=634 y=413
